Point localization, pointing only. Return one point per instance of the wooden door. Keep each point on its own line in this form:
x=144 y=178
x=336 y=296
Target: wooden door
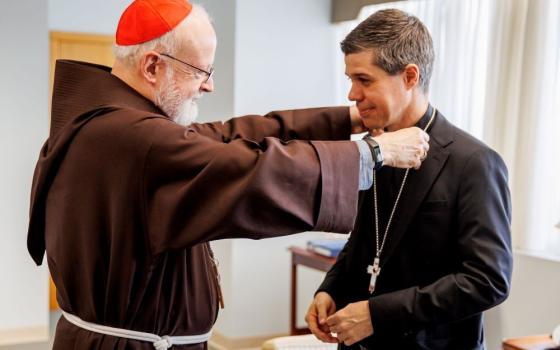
x=92 y=48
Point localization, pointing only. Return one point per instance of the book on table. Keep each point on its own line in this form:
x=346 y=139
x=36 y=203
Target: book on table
x=326 y=247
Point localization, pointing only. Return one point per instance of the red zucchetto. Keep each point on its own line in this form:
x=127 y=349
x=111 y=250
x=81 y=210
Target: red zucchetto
x=144 y=20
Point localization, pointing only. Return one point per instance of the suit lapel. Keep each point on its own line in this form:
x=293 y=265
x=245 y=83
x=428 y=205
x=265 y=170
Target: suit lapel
x=418 y=185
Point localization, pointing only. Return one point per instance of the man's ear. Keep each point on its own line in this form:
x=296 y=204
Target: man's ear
x=411 y=75
x=149 y=66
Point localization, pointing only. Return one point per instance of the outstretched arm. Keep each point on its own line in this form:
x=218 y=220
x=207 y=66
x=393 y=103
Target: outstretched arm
x=328 y=123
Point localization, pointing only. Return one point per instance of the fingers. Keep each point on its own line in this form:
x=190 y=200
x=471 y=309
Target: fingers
x=333 y=322
x=423 y=140
x=343 y=333
x=324 y=336
x=352 y=323
x=344 y=338
x=422 y=150
x=421 y=135
x=422 y=154
x=376 y=132
x=405 y=148
x=316 y=313
x=312 y=323
x=347 y=339
x=322 y=312
x=324 y=305
x=425 y=136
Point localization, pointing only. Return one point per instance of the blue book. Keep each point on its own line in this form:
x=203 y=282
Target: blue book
x=326 y=247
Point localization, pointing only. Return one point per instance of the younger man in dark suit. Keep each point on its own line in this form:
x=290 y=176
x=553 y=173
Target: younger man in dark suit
x=431 y=249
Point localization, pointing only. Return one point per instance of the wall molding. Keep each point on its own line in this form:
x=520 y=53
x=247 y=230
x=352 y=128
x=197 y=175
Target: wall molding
x=24 y=335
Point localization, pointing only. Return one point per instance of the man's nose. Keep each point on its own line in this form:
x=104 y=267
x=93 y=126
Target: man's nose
x=208 y=86
x=355 y=93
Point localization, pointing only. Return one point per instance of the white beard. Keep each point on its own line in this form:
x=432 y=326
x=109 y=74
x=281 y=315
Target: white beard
x=186 y=112
x=181 y=110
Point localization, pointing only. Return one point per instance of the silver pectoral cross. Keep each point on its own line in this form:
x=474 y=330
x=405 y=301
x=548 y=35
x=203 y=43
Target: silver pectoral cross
x=374 y=270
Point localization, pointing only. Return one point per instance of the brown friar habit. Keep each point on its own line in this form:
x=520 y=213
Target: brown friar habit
x=125 y=201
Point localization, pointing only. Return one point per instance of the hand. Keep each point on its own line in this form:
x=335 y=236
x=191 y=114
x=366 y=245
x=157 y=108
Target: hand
x=356 y=121
x=351 y=324
x=321 y=307
x=405 y=148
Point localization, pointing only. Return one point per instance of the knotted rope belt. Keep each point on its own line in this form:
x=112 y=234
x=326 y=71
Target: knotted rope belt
x=160 y=343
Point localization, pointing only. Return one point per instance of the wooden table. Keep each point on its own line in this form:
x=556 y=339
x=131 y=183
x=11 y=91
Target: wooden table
x=304 y=257
x=534 y=342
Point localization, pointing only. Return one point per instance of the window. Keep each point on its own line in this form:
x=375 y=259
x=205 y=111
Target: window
x=497 y=76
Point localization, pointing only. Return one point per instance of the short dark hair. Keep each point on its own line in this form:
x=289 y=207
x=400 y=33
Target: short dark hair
x=397 y=39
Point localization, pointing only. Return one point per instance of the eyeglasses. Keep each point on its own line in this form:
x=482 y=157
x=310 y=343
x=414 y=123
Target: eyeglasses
x=208 y=74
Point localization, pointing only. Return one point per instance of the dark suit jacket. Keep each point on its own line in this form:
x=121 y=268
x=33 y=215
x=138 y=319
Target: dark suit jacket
x=447 y=257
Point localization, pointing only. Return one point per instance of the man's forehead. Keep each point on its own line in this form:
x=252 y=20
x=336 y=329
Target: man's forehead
x=364 y=56
x=198 y=43
x=359 y=62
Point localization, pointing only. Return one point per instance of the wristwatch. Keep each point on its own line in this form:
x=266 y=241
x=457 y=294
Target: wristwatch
x=375 y=151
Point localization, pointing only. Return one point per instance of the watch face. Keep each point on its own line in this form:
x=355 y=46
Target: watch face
x=556 y=335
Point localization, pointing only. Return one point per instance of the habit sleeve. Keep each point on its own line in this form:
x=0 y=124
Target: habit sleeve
x=199 y=188
x=483 y=238
x=303 y=124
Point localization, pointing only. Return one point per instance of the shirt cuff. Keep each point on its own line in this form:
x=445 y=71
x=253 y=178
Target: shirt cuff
x=366 y=166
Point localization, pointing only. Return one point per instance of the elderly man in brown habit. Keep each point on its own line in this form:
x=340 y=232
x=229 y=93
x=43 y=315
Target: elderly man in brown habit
x=128 y=191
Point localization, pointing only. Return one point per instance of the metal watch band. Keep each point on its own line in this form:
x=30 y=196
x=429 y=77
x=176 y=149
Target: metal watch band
x=375 y=151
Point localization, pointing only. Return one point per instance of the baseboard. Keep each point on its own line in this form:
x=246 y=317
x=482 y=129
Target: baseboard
x=219 y=341
x=24 y=335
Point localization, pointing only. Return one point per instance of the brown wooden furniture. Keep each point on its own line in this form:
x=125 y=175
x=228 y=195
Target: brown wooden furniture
x=302 y=256
x=534 y=342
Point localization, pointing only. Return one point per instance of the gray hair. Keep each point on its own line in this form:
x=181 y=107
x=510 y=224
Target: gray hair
x=168 y=43
x=397 y=39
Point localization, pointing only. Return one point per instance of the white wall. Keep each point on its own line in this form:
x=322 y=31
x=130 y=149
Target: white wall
x=86 y=16
x=533 y=306
x=284 y=55
x=219 y=104
x=283 y=59
x=23 y=128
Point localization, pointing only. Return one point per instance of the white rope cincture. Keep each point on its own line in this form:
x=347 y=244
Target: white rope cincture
x=159 y=343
